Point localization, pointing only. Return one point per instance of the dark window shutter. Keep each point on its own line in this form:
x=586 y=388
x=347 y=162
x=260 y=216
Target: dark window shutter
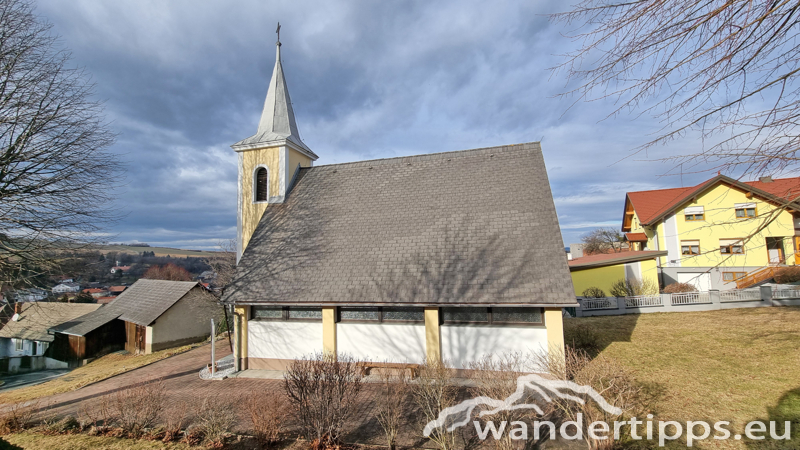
x=261 y=185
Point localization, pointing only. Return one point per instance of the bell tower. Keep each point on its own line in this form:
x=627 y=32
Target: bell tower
x=270 y=159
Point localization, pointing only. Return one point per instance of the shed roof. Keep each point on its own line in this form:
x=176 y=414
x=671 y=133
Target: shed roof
x=142 y=303
x=467 y=227
x=36 y=318
x=611 y=259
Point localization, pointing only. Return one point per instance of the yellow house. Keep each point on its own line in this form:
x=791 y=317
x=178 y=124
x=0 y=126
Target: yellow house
x=425 y=257
x=718 y=231
x=603 y=270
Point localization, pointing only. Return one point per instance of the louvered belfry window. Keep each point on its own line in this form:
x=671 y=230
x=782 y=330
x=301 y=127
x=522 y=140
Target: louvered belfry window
x=261 y=185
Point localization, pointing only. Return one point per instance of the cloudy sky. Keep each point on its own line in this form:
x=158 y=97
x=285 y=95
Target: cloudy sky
x=183 y=80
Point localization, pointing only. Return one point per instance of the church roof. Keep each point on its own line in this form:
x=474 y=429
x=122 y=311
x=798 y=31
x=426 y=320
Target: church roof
x=277 y=119
x=468 y=227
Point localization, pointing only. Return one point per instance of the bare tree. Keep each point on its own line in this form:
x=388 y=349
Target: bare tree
x=602 y=240
x=169 y=272
x=56 y=175
x=727 y=69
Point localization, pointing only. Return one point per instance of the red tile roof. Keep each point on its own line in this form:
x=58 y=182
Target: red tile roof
x=636 y=237
x=117 y=288
x=94 y=290
x=649 y=205
x=105 y=300
x=609 y=259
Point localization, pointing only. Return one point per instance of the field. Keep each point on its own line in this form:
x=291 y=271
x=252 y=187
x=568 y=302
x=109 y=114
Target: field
x=737 y=365
x=159 y=251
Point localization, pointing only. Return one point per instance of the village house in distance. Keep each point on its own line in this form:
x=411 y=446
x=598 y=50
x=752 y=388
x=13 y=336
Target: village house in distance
x=437 y=257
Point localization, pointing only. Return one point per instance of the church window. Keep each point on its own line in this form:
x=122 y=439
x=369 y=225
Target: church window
x=262 y=179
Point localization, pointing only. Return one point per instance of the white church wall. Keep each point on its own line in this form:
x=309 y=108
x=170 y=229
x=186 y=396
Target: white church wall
x=462 y=344
x=283 y=340
x=378 y=342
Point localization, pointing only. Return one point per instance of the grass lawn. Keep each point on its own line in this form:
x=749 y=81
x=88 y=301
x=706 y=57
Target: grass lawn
x=737 y=365
x=81 y=441
x=104 y=367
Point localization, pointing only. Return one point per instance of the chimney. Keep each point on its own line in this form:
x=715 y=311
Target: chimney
x=17 y=307
x=767 y=179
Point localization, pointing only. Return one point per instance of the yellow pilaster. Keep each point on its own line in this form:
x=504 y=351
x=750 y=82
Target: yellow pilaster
x=553 y=320
x=433 y=342
x=329 y=331
x=240 y=333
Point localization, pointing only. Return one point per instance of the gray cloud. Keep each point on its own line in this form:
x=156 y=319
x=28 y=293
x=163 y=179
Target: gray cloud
x=183 y=80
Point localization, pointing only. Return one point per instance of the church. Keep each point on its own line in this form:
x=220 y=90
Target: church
x=437 y=257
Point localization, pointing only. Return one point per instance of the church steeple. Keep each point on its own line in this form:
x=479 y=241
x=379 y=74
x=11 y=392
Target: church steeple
x=277 y=122
x=270 y=160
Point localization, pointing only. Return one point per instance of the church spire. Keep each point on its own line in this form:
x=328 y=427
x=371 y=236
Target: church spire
x=277 y=122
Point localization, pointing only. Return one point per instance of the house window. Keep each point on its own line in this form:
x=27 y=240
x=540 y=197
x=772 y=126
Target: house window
x=690 y=247
x=386 y=314
x=465 y=315
x=733 y=276
x=303 y=313
x=731 y=247
x=18 y=345
x=359 y=314
x=516 y=315
x=694 y=213
x=268 y=312
x=495 y=315
x=261 y=190
x=745 y=210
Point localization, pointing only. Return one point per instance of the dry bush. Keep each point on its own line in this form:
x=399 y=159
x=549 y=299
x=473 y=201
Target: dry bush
x=216 y=416
x=677 y=288
x=323 y=393
x=633 y=287
x=582 y=337
x=788 y=274
x=394 y=390
x=605 y=375
x=593 y=292
x=173 y=423
x=17 y=417
x=98 y=417
x=433 y=392
x=269 y=414
x=496 y=377
x=137 y=408
x=64 y=425
x=193 y=435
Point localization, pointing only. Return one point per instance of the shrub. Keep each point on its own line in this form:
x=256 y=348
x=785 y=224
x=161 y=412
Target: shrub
x=581 y=337
x=433 y=392
x=193 y=435
x=66 y=424
x=17 y=417
x=323 y=392
x=496 y=377
x=137 y=408
x=391 y=403
x=788 y=274
x=633 y=287
x=676 y=288
x=173 y=423
x=268 y=413
x=5 y=445
x=216 y=417
x=606 y=376
x=593 y=292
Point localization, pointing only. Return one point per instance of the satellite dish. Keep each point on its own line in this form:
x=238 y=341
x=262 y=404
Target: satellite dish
x=15 y=317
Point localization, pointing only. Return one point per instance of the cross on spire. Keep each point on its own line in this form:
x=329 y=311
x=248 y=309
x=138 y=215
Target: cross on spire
x=278 y=31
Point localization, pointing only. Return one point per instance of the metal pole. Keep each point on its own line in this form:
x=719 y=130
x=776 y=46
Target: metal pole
x=213 y=359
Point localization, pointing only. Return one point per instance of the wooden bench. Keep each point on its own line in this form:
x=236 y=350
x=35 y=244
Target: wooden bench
x=413 y=369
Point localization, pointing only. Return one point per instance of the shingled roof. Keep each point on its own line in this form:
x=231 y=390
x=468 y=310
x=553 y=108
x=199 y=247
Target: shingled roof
x=36 y=318
x=142 y=304
x=468 y=227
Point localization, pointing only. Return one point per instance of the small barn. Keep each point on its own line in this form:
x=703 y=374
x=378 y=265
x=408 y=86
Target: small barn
x=150 y=315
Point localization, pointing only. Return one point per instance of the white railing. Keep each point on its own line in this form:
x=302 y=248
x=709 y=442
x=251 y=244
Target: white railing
x=643 y=300
x=599 y=303
x=740 y=295
x=786 y=293
x=690 y=298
